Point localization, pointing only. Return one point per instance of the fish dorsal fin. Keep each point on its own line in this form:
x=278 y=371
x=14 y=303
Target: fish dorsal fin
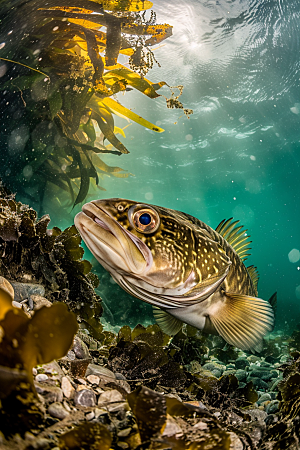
x=235 y=236
x=242 y=320
x=253 y=272
x=169 y=324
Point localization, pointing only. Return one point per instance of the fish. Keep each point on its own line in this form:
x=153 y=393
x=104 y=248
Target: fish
x=189 y=272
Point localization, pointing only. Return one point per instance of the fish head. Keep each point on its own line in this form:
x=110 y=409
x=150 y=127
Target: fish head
x=153 y=247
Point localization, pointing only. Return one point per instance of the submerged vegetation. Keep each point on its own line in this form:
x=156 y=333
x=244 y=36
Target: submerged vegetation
x=59 y=75
x=135 y=389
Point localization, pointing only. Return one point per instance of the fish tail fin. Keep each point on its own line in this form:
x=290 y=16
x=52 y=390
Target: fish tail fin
x=242 y=320
x=169 y=324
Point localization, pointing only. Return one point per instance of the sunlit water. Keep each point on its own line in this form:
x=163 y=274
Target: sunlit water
x=238 y=154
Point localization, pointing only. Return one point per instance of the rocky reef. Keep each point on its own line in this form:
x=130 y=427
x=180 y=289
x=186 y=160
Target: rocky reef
x=61 y=388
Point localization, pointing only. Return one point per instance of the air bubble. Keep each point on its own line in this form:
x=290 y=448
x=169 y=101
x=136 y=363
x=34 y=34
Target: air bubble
x=294 y=255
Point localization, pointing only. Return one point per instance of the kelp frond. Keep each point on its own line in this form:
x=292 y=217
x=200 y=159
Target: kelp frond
x=61 y=72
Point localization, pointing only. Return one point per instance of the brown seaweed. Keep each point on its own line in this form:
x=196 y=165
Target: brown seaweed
x=61 y=78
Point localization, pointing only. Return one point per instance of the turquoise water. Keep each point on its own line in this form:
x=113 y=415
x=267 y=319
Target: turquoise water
x=238 y=153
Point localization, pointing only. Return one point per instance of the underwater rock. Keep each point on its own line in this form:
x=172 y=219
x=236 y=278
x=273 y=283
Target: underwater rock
x=57 y=410
x=258 y=382
x=242 y=363
x=41 y=261
x=241 y=374
x=112 y=400
x=273 y=407
x=105 y=375
x=85 y=397
x=67 y=388
x=24 y=291
x=80 y=349
x=50 y=393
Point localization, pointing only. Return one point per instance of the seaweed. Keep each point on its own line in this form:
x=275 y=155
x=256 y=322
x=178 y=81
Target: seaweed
x=58 y=88
x=284 y=434
x=30 y=252
x=26 y=342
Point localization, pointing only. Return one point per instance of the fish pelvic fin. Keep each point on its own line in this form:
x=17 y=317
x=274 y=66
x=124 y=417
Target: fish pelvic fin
x=242 y=320
x=169 y=324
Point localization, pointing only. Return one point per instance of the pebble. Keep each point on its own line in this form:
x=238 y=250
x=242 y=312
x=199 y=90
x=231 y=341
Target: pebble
x=53 y=369
x=242 y=363
x=90 y=415
x=216 y=373
x=230 y=366
x=25 y=290
x=241 y=374
x=66 y=406
x=80 y=349
x=263 y=398
x=270 y=419
x=105 y=375
x=261 y=372
x=213 y=366
x=171 y=427
x=229 y=372
x=17 y=304
x=125 y=432
x=50 y=393
x=57 y=410
x=36 y=302
x=257 y=414
x=93 y=379
x=99 y=412
x=258 y=383
x=120 y=376
x=67 y=387
x=272 y=407
x=253 y=358
x=81 y=387
x=112 y=400
x=41 y=377
x=235 y=442
x=71 y=355
x=85 y=397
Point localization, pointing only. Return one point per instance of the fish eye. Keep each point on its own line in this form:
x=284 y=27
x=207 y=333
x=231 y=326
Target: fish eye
x=145 y=220
x=120 y=208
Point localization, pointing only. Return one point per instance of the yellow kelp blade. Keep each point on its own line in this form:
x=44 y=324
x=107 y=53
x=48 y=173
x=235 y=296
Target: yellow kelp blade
x=125 y=5
x=116 y=107
x=120 y=131
x=6 y=297
x=133 y=79
x=115 y=171
x=86 y=23
x=72 y=9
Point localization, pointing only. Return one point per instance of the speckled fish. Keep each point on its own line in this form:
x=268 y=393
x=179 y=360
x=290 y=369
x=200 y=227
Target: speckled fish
x=186 y=270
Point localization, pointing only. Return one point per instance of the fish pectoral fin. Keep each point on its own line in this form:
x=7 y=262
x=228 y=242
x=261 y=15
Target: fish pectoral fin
x=242 y=320
x=169 y=324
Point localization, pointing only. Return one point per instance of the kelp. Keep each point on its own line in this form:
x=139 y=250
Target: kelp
x=285 y=434
x=60 y=77
x=26 y=342
x=30 y=252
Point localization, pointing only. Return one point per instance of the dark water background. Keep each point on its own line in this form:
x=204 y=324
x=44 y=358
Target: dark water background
x=238 y=154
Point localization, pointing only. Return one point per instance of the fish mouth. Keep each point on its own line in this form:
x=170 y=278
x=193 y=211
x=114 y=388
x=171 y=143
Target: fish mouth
x=113 y=246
